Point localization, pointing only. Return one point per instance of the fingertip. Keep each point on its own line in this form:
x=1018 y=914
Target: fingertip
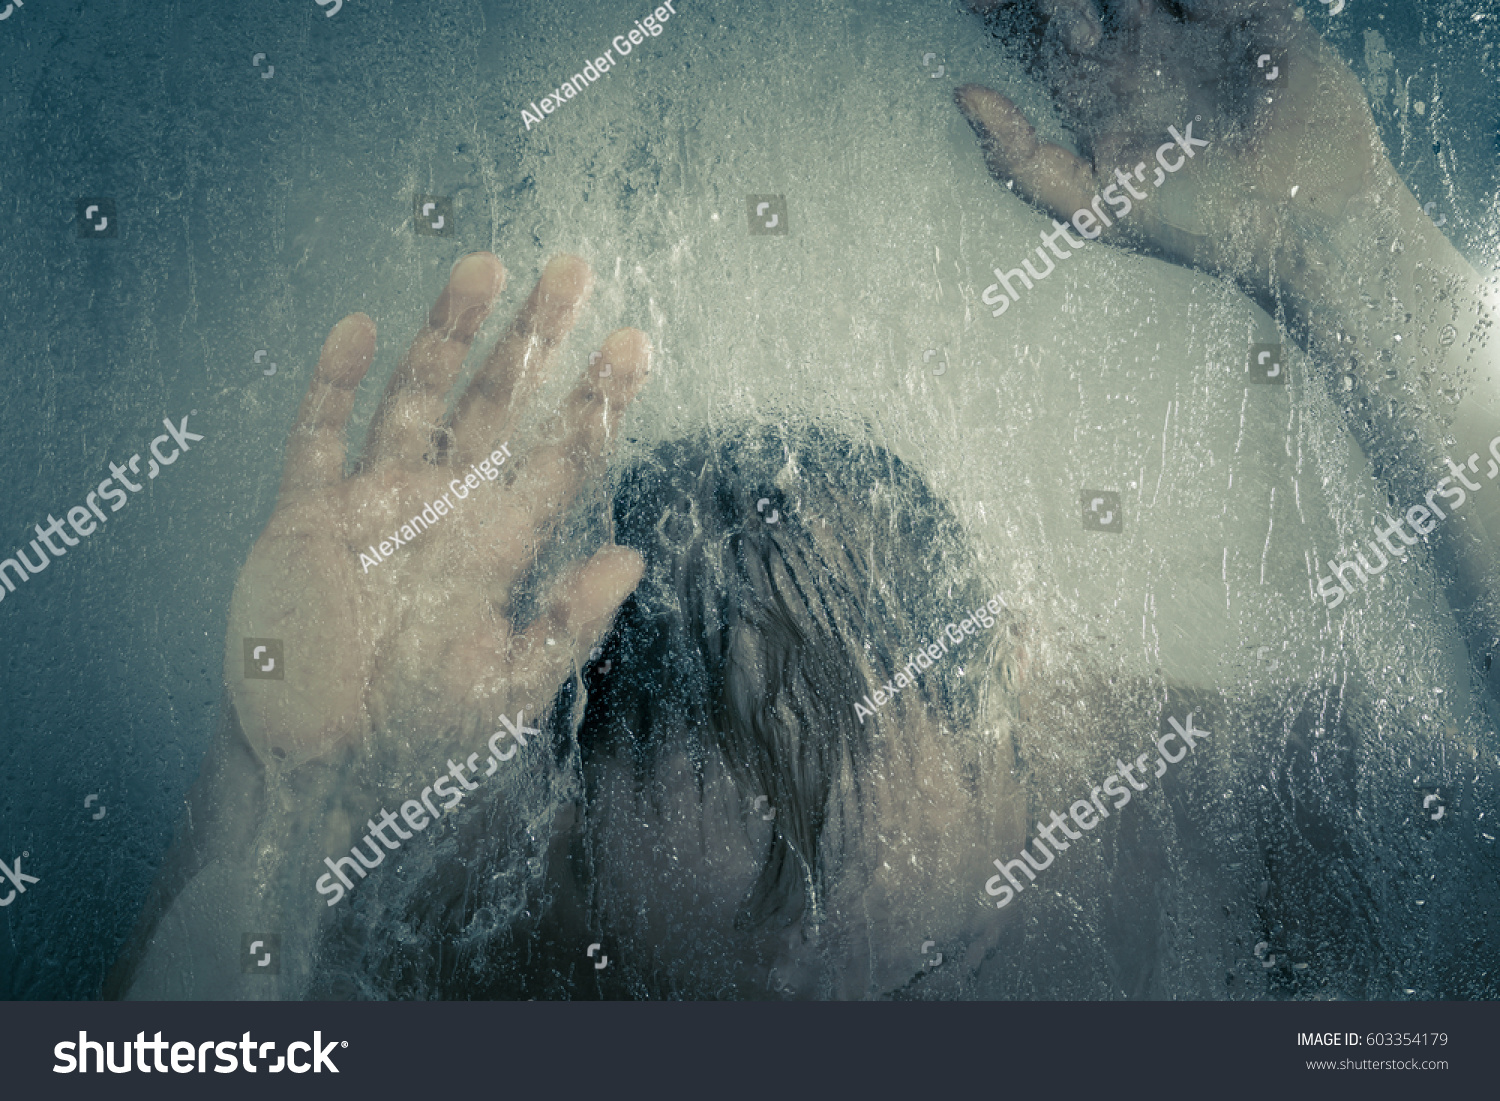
x=600 y=586
x=477 y=275
x=476 y=279
x=628 y=353
x=636 y=559
x=567 y=275
x=353 y=325
x=348 y=351
x=992 y=114
x=628 y=344
x=968 y=96
x=625 y=568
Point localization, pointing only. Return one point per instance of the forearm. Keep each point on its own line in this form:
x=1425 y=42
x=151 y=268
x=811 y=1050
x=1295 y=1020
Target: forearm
x=244 y=861
x=1402 y=323
x=1384 y=299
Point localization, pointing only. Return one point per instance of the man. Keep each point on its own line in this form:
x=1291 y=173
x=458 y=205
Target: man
x=716 y=808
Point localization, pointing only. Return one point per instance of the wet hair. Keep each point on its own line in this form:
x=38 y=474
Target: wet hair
x=790 y=571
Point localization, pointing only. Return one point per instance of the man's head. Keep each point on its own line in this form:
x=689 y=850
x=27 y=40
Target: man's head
x=790 y=573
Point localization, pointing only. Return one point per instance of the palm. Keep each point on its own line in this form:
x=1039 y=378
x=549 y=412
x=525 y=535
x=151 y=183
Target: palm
x=1285 y=152
x=292 y=588
x=421 y=642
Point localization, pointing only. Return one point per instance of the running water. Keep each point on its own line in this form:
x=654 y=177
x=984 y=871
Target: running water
x=253 y=211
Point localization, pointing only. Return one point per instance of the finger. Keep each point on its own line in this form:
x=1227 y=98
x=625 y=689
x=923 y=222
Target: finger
x=1047 y=175
x=519 y=362
x=579 y=611
x=416 y=399
x=578 y=438
x=315 y=452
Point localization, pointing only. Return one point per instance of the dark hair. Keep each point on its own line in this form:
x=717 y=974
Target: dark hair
x=787 y=567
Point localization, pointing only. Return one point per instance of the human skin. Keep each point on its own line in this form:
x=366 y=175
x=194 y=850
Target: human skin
x=1309 y=257
x=392 y=670
x=1298 y=204
x=909 y=832
x=1314 y=267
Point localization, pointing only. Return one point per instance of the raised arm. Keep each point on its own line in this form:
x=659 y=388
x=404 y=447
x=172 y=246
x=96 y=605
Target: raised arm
x=400 y=655
x=1262 y=164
